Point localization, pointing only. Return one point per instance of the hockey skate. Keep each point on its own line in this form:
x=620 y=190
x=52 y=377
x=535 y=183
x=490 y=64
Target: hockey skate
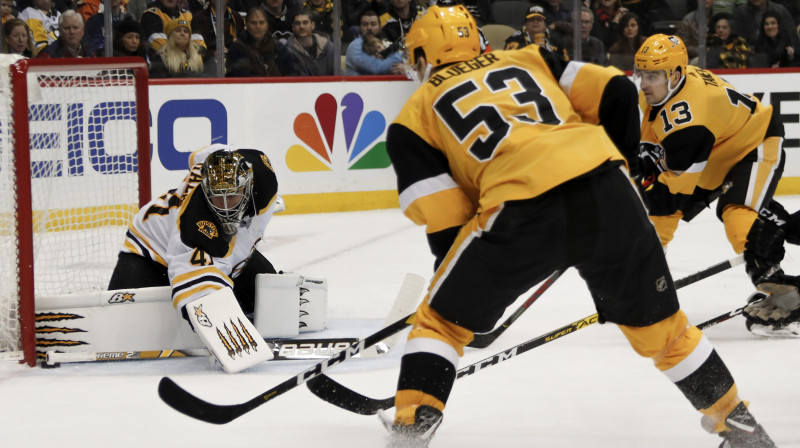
x=781 y=307
x=741 y=430
x=418 y=435
x=790 y=330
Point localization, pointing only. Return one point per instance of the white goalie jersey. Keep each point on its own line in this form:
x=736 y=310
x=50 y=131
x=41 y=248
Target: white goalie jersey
x=178 y=230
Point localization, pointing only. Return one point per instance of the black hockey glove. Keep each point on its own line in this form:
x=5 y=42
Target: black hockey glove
x=790 y=224
x=763 y=251
x=649 y=166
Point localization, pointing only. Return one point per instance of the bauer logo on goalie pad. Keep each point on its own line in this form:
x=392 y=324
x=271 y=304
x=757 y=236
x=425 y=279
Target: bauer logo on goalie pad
x=208 y=229
x=202 y=318
x=312 y=350
x=121 y=297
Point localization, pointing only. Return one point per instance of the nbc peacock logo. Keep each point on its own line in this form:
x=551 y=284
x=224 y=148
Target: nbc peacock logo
x=362 y=134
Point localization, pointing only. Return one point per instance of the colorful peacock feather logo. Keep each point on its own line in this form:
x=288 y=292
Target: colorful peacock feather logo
x=361 y=135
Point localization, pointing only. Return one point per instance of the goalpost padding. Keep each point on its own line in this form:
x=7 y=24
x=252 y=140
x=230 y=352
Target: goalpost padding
x=74 y=168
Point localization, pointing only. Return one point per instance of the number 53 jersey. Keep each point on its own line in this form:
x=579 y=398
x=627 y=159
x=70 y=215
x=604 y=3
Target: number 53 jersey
x=507 y=125
x=699 y=134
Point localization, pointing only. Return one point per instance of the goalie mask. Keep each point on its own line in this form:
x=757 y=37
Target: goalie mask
x=227 y=182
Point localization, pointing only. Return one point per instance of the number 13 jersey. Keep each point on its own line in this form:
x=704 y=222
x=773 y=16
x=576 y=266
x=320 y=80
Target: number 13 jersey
x=699 y=134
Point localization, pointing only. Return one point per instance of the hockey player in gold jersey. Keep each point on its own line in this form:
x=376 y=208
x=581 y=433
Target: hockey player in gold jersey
x=512 y=160
x=703 y=139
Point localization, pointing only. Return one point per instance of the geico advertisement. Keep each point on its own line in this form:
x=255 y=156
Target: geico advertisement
x=320 y=137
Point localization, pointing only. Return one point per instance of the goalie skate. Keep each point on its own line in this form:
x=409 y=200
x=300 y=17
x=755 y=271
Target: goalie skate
x=790 y=330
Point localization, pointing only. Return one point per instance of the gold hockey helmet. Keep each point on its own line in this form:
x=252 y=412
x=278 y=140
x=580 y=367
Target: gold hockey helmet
x=662 y=52
x=445 y=34
x=227 y=182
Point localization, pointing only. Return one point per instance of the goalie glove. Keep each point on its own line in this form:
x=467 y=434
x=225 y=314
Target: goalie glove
x=780 y=307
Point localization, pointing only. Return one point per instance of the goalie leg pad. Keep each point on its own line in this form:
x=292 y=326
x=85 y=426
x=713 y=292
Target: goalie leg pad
x=277 y=305
x=222 y=326
x=313 y=304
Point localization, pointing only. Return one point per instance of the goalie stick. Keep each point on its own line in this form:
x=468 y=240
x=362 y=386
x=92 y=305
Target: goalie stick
x=282 y=350
x=336 y=394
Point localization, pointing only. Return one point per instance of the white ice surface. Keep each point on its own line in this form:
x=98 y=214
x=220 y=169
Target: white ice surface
x=587 y=389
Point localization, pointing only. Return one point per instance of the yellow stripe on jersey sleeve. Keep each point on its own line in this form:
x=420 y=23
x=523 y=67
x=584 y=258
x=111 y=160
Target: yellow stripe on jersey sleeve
x=184 y=295
x=211 y=270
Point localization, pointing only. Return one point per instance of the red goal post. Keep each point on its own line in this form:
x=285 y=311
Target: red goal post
x=74 y=168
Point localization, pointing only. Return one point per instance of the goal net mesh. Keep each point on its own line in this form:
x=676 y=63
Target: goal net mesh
x=82 y=143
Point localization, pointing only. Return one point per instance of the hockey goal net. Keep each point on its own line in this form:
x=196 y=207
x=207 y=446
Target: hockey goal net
x=74 y=168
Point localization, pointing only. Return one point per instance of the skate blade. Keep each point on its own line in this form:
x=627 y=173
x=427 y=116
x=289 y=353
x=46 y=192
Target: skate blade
x=788 y=331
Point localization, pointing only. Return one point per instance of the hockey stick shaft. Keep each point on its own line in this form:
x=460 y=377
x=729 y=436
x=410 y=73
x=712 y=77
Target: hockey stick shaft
x=188 y=404
x=331 y=391
x=483 y=340
x=754 y=298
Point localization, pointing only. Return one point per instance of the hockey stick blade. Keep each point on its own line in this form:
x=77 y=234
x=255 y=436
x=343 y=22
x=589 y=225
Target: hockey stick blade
x=188 y=404
x=483 y=340
x=405 y=304
x=336 y=394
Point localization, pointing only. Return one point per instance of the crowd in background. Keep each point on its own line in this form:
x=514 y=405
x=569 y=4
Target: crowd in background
x=178 y=38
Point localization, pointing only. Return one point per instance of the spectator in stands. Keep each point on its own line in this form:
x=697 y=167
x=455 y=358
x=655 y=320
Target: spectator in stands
x=592 y=48
x=649 y=12
x=42 y=19
x=204 y=23
x=128 y=39
x=558 y=18
x=629 y=40
x=70 y=38
x=726 y=49
x=256 y=52
x=180 y=56
x=156 y=18
x=535 y=31
x=17 y=38
x=774 y=46
x=280 y=16
x=728 y=6
x=322 y=15
x=396 y=22
x=314 y=51
x=136 y=8
x=608 y=13
x=358 y=61
x=747 y=19
x=687 y=30
x=793 y=6
x=95 y=27
x=7 y=11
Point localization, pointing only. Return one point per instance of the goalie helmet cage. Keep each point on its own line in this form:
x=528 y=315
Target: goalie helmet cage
x=74 y=169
